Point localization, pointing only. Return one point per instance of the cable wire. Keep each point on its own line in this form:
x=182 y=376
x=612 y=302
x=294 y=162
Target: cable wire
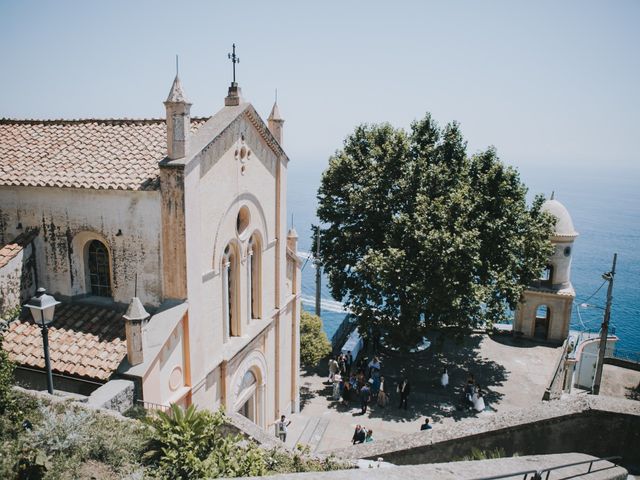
x=594 y=293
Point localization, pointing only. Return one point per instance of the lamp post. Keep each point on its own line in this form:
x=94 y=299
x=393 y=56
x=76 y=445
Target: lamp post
x=42 y=307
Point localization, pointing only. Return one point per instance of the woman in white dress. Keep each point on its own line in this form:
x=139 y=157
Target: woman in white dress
x=444 y=379
x=478 y=404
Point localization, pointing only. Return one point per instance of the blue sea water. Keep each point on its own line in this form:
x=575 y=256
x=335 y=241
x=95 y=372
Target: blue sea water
x=605 y=208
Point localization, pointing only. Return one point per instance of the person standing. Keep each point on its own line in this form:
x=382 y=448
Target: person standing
x=333 y=368
x=383 y=398
x=444 y=379
x=478 y=405
x=425 y=425
x=281 y=428
x=365 y=398
x=369 y=436
x=359 y=435
x=404 y=389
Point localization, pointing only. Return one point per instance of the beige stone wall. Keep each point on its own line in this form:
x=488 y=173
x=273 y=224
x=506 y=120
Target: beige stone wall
x=68 y=218
x=560 y=314
x=17 y=281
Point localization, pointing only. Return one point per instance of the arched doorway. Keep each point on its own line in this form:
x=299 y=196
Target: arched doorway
x=543 y=315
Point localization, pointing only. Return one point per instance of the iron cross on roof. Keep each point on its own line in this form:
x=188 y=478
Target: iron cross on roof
x=234 y=59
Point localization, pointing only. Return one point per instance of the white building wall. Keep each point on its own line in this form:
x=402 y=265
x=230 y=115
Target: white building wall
x=68 y=218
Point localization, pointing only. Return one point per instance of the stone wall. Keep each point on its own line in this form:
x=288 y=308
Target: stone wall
x=473 y=470
x=67 y=219
x=600 y=426
x=114 y=395
x=17 y=278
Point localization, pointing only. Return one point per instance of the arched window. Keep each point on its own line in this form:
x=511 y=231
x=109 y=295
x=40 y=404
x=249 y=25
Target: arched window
x=230 y=289
x=98 y=268
x=546 y=279
x=255 y=277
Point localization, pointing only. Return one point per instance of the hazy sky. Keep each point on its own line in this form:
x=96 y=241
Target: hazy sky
x=549 y=82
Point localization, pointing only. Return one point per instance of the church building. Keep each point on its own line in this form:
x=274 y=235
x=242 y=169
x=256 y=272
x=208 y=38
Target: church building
x=166 y=242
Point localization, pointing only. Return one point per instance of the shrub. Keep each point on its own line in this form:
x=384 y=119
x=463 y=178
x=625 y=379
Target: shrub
x=66 y=433
x=314 y=344
x=7 y=401
x=191 y=443
x=477 y=454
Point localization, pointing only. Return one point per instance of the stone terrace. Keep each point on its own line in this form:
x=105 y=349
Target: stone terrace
x=513 y=373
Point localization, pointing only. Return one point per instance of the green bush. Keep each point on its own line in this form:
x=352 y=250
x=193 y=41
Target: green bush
x=191 y=443
x=477 y=454
x=314 y=344
x=7 y=401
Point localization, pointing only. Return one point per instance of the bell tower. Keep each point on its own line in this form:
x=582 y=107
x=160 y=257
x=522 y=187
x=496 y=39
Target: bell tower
x=545 y=310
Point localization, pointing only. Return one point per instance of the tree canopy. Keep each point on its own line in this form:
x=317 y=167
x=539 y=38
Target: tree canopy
x=416 y=233
x=314 y=344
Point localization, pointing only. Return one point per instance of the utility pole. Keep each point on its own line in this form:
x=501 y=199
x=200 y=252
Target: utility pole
x=604 y=333
x=318 y=270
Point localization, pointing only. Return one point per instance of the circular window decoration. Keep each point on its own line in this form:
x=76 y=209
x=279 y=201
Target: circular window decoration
x=567 y=251
x=175 y=379
x=242 y=222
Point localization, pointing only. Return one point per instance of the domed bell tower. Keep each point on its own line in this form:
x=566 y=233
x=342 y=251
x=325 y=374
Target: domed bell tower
x=545 y=310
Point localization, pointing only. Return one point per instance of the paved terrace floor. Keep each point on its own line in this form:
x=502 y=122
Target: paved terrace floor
x=513 y=372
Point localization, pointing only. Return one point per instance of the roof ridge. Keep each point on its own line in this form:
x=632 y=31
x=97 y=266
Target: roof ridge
x=27 y=121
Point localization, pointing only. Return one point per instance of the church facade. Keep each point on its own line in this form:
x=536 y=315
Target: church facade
x=179 y=221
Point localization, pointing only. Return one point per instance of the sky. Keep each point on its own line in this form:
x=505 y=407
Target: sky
x=551 y=84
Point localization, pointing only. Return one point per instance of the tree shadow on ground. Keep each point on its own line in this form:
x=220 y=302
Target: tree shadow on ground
x=428 y=398
x=633 y=393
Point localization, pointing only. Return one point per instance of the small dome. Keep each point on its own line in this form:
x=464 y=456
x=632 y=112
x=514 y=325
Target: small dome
x=564 y=225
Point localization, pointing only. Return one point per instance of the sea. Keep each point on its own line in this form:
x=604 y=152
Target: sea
x=604 y=204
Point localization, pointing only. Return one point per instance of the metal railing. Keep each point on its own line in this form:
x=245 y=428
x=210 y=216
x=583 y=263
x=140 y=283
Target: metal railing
x=150 y=406
x=538 y=474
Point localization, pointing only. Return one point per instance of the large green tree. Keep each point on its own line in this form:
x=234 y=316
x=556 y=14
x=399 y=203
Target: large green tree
x=416 y=233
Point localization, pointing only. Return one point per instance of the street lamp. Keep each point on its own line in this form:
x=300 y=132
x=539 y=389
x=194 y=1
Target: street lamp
x=42 y=307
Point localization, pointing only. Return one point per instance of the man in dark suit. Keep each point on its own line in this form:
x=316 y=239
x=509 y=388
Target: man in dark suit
x=404 y=389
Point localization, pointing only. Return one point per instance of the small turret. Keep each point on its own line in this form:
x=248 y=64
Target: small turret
x=276 y=122
x=178 y=121
x=292 y=240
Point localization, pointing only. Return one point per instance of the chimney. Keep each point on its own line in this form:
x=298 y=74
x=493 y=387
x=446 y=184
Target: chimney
x=135 y=316
x=178 y=121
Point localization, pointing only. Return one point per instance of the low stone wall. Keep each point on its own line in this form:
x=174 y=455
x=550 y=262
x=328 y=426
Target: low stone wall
x=246 y=428
x=114 y=395
x=620 y=362
x=556 y=384
x=474 y=470
x=599 y=426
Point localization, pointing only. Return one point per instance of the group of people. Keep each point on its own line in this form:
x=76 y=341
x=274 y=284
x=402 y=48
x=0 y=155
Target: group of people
x=473 y=396
x=364 y=383
x=362 y=435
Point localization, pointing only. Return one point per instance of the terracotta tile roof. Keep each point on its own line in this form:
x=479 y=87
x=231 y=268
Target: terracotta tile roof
x=12 y=249
x=118 y=154
x=84 y=340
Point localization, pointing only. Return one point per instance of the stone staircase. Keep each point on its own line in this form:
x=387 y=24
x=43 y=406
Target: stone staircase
x=313 y=432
